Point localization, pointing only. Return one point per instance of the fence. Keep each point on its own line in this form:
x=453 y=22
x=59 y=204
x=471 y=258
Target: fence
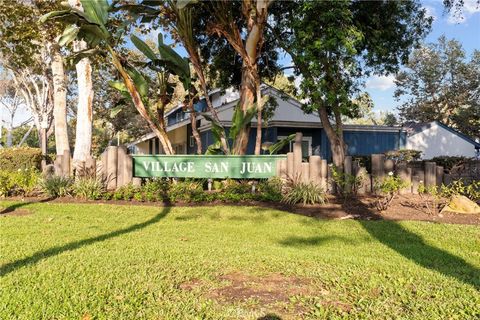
x=115 y=167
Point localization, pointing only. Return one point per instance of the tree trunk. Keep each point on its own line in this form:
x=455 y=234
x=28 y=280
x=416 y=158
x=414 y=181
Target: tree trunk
x=42 y=137
x=337 y=145
x=60 y=101
x=193 y=121
x=197 y=66
x=247 y=99
x=83 y=132
x=258 y=140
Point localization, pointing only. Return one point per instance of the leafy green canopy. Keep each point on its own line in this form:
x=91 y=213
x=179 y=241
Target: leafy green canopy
x=335 y=45
x=441 y=84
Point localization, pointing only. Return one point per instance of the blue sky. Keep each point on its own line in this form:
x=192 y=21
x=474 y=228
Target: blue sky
x=465 y=29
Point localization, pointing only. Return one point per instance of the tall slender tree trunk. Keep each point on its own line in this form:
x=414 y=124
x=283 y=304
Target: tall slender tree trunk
x=60 y=101
x=83 y=132
x=337 y=144
x=258 y=140
x=193 y=121
x=247 y=99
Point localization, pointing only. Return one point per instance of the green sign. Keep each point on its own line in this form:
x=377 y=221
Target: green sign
x=205 y=166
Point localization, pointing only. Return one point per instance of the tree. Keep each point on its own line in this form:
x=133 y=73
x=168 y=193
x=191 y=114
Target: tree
x=365 y=115
x=440 y=84
x=83 y=136
x=12 y=102
x=20 y=18
x=333 y=45
x=91 y=26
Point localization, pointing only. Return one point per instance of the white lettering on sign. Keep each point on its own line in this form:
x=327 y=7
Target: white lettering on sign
x=167 y=167
x=215 y=167
x=251 y=167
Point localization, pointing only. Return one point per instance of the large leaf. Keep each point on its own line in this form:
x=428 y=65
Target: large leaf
x=179 y=65
x=96 y=10
x=274 y=148
x=143 y=47
x=214 y=149
x=118 y=85
x=240 y=120
x=54 y=14
x=68 y=35
x=139 y=80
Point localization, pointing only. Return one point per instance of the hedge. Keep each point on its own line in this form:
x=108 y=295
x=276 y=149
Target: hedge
x=12 y=159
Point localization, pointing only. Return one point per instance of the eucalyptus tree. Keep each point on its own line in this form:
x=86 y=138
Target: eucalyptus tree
x=334 y=45
x=23 y=42
x=83 y=135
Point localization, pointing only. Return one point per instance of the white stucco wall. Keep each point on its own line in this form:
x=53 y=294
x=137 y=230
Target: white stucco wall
x=438 y=141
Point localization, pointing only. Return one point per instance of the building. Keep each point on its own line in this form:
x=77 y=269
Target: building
x=436 y=139
x=287 y=119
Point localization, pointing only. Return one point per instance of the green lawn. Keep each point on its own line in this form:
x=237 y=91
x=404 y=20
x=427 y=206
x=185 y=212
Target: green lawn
x=67 y=261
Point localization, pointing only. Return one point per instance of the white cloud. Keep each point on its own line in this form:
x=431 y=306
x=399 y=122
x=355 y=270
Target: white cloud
x=431 y=12
x=380 y=82
x=470 y=7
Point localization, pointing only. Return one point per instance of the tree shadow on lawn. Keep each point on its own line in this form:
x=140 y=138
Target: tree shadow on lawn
x=41 y=255
x=414 y=248
x=314 y=241
x=18 y=205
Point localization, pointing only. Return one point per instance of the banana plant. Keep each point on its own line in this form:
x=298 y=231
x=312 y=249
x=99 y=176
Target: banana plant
x=91 y=26
x=167 y=62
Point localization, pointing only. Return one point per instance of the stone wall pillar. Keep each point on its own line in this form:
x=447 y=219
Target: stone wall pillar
x=439 y=175
x=315 y=163
x=290 y=166
x=305 y=172
x=430 y=174
x=323 y=174
x=297 y=155
x=112 y=158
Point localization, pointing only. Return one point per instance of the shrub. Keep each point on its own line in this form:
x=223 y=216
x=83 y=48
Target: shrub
x=431 y=197
x=305 y=193
x=21 y=181
x=388 y=188
x=12 y=159
x=187 y=191
x=449 y=162
x=88 y=188
x=56 y=186
x=156 y=190
x=348 y=184
x=459 y=187
x=6 y=183
x=125 y=192
x=270 y=190
x=26 y=180
x=403 y=155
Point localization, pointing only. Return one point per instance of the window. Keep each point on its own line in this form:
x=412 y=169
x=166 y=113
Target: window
x=306 y=146
x=192 y=141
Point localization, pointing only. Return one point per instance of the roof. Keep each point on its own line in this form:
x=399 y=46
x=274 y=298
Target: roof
x=414 y=128
x=306 y=123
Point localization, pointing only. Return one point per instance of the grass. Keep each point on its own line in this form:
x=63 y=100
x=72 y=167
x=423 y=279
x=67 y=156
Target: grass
x=81 y=261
